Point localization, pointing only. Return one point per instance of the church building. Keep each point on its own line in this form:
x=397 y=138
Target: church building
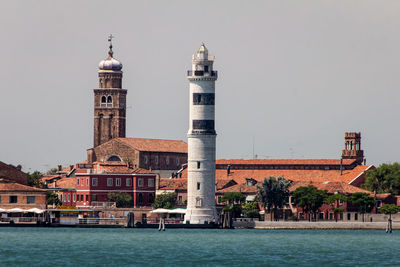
x=109 y=134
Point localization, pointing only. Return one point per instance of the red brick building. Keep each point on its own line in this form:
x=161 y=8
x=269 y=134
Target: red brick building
x=94 y=184
x=15 y=195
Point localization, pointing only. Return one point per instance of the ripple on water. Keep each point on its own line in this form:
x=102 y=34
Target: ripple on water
x=182 y=247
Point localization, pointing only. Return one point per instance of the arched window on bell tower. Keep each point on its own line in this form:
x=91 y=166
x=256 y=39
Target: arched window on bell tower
x=103 y=101
x=109 y=101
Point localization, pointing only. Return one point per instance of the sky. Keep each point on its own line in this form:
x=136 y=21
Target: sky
x=294 y=76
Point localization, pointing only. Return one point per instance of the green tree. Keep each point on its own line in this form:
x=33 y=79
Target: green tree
x=309 y=198
x=363 y=202
x=384 y=179
x=165 y=201
x=273 y=194
x=122 y=200
x=52 y=198
x=52 y=171
x=34 y=179
x=334 y=200
x=234 y=200
x=389 y=209
x=250 y=210
x=233 y=197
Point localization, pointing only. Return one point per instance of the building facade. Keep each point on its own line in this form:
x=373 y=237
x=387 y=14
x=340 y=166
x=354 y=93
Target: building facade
x=201 y=140
x=15 y=195
x=94 y=184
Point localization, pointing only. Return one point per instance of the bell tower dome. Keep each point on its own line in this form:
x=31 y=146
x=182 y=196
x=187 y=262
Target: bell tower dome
x=109 y=100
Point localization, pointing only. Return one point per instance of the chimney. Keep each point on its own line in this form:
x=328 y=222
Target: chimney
x=59 y=168
x=365 y=161
x=71 y=167
x=19 y=167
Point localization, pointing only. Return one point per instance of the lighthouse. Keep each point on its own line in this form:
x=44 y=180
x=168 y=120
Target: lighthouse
x=201 y=140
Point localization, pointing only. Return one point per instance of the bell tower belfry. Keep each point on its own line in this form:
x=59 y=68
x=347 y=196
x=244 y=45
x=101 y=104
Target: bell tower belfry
x=352 y=147
x=109 y=101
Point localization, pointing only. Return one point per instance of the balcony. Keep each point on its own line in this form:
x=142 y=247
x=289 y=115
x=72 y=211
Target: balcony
x=201 y=73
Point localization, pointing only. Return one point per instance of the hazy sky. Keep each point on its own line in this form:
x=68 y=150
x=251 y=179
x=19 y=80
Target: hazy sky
x=294 y=76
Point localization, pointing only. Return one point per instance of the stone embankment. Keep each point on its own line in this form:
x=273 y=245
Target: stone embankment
x=315 y=225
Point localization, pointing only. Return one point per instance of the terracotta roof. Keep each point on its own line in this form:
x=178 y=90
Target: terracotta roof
x=173 y=184
x=330 y=187
x=50 y=177
x=239 y=188
x=7 y=185
x=119 y=167
x=222 y=183
x=240 y=175
x=284 y=161
x=155 y=145
x=383 y=195
x=65 y=183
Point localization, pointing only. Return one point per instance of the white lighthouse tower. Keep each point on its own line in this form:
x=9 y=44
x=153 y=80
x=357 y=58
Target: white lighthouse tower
x=201 y=140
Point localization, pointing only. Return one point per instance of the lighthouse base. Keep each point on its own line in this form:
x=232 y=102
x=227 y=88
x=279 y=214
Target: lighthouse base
x=201 y=216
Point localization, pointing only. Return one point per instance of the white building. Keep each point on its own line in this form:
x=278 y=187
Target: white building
x=201 y=140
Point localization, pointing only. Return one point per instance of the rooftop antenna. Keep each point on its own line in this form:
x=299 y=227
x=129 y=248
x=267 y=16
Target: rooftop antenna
x=253 y=146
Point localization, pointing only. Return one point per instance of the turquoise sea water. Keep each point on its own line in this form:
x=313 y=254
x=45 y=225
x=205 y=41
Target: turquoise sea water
x=188 y=247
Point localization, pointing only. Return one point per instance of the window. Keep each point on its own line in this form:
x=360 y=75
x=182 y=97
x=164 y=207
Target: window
x=74 y=197
x=87 y=197
x=103 y=100
x=180 y=199
x=205 y=68
x=177 y=162
x=156 y=160
x=340 y=202
x=341 y=216
x=348 y=216
x=77 y=181
x=378 y=203
x=356 y=216
x=81 y=197
x=198 y=165
x=65 y=197
x=140 y=198
x=198 y=186
x=94 y=197
x=30 y=199
x=219 y=199
x=330 y=216
x=140 y=182
x=146 y=160
x=69 y=197
x=150 y=182
x=128 y=181
x=109 y=99
x=109 y=181
x=167 y=160
x=87 y=181
x=321 y=215
x=199 y=202
x=82 y=181
x=151 y=198
x=118 y=181
x=61 y=198
x=94 y=182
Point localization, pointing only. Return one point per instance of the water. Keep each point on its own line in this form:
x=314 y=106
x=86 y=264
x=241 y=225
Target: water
x=188 y=247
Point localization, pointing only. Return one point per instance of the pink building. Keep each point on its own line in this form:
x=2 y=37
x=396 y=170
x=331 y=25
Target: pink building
x=95 y=181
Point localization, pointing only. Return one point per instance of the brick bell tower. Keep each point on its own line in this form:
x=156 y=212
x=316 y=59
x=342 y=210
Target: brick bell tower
x=109 y=101
x=352 y=147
